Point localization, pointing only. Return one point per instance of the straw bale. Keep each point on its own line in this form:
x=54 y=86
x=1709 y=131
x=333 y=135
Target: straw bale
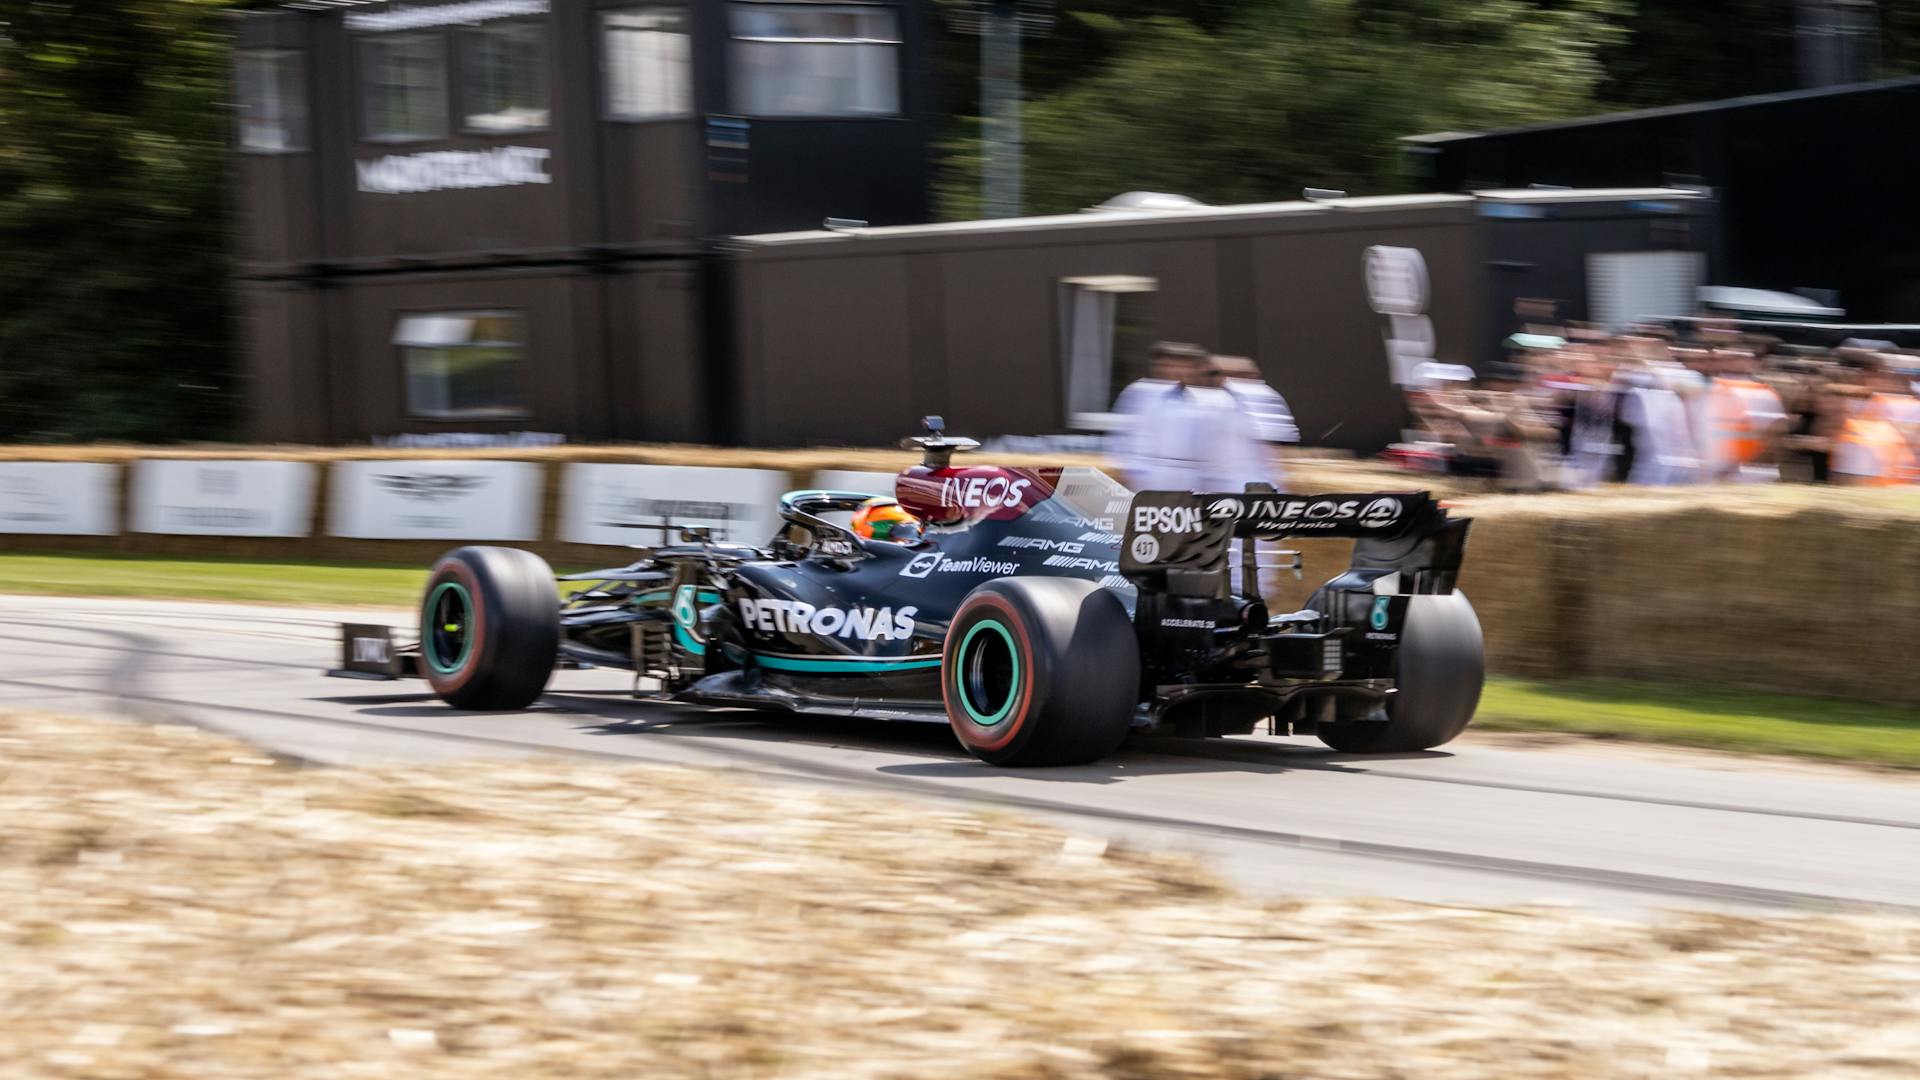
x=177 y=905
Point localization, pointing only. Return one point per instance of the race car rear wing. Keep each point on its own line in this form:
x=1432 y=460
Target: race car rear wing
x=1180 y=541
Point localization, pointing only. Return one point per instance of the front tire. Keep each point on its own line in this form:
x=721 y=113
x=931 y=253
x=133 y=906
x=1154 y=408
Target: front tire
x=489 y=628
x=1439 y=671
x=1041 y=671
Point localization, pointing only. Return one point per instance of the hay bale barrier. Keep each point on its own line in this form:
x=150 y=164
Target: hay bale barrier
x=179 y=905
x=1796 y=590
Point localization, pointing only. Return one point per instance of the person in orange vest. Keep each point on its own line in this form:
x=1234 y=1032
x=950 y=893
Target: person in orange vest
x=1885 y=429
x=1745 y=421
x=1871 y=450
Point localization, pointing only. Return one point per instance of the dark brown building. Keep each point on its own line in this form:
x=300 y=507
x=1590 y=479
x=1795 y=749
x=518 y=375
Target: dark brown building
x=1032 y=326
x=499 y=215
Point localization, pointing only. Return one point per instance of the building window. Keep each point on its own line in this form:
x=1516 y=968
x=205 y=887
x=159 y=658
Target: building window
x=273 y=100
x=404 y=86
x=503 y=72
x=1627 y=287
x=1105 y=331
x=815 y=60
x=649 y=63
x=463 y=365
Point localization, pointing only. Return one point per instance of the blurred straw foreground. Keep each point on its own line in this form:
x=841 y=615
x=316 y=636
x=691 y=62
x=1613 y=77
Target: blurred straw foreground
x=177 y=905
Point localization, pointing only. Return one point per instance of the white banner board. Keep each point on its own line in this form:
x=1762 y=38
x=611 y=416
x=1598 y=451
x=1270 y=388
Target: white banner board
x=435 y=500
x=646 y=505
x=223 y=498
x=58 y=498
x=874 y=483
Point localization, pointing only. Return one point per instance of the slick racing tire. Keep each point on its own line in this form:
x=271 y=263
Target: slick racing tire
x=1040 y=671
x=489 y=628
x=1439 y=670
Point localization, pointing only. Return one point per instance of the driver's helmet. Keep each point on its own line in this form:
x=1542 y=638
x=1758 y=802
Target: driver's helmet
x=884 y=519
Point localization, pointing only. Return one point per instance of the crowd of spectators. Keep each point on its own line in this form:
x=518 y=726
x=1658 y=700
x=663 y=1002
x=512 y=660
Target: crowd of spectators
x=1570 y=409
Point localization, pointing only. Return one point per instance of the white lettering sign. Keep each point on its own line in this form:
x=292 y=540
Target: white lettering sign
x=223 y=498
x=435 y=500
x=416 y=18
x=976 y=492
x=60 y=498
x=1378 y=513
x=795 y=617
x=1166 y=519
x=452 y=170
x=648 y=505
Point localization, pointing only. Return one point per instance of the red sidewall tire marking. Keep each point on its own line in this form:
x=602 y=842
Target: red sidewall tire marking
x=460 y=571
x=966 y=730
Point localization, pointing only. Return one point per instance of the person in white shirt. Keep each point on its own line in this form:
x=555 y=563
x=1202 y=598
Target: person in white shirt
x=1195 y=437
x=1662 y=440
x=1272 y=417
x=1269 y=413
x=1167 y=361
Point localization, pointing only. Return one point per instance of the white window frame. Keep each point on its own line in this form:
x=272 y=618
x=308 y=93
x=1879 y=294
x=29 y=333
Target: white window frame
x=364 y=47
x=287 y=112
x=449 y=332
x=738 y=67
x=1089 y=391
x=621 y=90
x=465 y=36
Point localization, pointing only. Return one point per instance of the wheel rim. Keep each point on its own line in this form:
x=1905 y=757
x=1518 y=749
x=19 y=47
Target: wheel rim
x=986 y=673
x=446 y=628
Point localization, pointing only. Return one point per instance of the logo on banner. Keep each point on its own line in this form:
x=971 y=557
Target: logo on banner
x=425 y=487
x=32 y=503
x=454 y=170
x=209 y=481
x=1227 y=510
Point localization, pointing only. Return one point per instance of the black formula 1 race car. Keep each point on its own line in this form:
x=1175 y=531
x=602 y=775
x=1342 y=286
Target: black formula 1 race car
x=1044 y=615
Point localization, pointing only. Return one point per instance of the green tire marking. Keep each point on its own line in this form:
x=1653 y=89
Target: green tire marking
x=430 y=647
x=960 y=674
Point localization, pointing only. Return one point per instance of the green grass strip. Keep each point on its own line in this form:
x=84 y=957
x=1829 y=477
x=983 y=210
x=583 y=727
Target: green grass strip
x=318 y=584
x=1716 y=717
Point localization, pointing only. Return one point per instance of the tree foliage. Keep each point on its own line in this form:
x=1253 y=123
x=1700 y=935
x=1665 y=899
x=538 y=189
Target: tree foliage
x=1255 y=100
x=114 y=293
x=1287 y=94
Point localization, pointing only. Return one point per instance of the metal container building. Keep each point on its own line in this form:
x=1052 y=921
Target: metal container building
x=497 y=215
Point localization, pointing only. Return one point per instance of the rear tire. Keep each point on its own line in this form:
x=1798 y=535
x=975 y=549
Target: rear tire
x=489 y=628
x=1041 y=671
x=1440 y=670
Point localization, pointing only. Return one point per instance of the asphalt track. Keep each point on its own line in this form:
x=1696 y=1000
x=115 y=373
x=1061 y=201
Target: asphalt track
x=1469 y=823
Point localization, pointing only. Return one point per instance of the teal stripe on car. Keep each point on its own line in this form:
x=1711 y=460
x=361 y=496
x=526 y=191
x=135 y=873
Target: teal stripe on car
x=843 y=666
